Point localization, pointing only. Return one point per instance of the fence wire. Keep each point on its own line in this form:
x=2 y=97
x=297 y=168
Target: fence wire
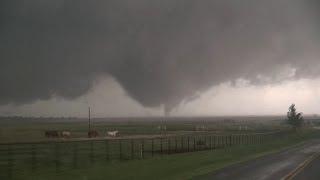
x=18 y=158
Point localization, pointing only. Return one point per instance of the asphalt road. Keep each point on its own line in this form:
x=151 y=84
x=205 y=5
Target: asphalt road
x=310 y=172
x=274 y=166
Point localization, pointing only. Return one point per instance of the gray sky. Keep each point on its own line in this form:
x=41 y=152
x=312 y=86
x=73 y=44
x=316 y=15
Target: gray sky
x=133 y=58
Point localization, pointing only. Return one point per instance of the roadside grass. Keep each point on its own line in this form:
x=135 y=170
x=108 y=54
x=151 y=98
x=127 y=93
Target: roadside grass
x=178 y=166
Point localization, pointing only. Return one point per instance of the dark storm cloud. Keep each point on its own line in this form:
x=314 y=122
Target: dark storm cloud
x=161 y=52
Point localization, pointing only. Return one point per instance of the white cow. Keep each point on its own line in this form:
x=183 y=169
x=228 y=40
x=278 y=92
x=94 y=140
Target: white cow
x=113 y=133
x=65 y=134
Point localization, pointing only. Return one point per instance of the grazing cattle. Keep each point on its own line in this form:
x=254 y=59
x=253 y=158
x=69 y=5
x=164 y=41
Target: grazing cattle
x=65 y=134
x=113 y=133
x=52 y=134
x=93 y=134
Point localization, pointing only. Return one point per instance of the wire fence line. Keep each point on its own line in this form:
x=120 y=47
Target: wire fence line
x=19 y=157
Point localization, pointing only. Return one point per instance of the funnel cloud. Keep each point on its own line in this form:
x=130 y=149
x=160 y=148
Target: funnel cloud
x=160 y=52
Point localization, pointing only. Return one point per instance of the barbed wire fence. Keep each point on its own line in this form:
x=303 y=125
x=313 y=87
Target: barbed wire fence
x=18 y=158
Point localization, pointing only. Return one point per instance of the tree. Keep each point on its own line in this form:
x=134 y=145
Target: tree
x=293 y=118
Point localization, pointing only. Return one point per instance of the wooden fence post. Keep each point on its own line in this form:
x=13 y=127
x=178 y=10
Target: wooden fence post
x=120 y=149
x=241 y=139
x=107 y=150
x=224 y=141
x=182 y=146
x=132 y=149
x=10 y=162
x=33 y=157
x=217 y=142
x=246 y=139
x=75 y=155
x=142 y=149
x=253 y=138
x=188 y=144
x=256 y=139
x=168 y=140
x=235 y=139
x=205 y=142
x=214 y=142
x=231 y=140
x=152 y=147
x=161 y=148
x=57 y=156
x=176 y=145
x=91 y=152
x=161 y=144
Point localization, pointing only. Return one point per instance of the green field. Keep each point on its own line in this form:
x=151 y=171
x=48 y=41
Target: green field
x=21 y=130
x=178 y=166
x=183 y=152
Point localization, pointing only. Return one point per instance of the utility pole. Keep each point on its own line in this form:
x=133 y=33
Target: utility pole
x=166 y=115
x=89 y=120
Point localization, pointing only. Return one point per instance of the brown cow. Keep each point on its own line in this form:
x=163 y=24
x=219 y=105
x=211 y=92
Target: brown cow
x=93 y=134
x=52 y=134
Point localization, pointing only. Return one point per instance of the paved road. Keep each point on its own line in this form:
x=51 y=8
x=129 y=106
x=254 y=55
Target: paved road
x=310 y=172
x=274 y=166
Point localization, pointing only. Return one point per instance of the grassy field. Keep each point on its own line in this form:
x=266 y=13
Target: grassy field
x=178 y=166
x=140 y=158
x=17 y=130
